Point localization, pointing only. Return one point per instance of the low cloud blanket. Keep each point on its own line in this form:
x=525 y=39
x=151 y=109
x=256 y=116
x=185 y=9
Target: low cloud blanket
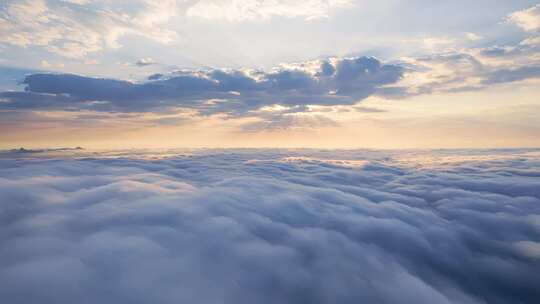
x=270 y=226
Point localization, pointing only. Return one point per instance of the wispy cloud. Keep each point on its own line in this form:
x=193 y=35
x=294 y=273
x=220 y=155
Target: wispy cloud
x=239 y=10
x=75 y=29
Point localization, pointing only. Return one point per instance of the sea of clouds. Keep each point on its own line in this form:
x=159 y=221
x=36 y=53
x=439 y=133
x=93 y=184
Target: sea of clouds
x=270 y=226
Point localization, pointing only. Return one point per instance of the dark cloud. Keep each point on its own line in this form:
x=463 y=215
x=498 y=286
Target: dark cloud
x=527 y=48
x=145 y=62
x=235 y=92
x=155 y=76
x=271 y=226
x=343 y=81
x=496 y=51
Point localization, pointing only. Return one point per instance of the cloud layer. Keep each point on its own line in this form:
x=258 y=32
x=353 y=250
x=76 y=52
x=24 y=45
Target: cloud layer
x=265 y=226
x=323 y=82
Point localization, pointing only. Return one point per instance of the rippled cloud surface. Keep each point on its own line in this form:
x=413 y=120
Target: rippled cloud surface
x=270 y=226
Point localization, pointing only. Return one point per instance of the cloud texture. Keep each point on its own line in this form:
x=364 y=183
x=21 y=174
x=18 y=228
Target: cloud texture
x=337 y=82
x=75 y=29
x=239 y=10
x=265 y=226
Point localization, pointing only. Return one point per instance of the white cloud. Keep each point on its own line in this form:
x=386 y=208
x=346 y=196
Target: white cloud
x=243 y=10
x=450 y=71
x=270 y=226
x=527 y=19
x=473 y=36
x=74 y=28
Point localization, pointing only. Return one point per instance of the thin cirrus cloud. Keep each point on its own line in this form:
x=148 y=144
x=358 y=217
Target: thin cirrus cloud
x=270 y=226
x=239 y=10
x=74 y=29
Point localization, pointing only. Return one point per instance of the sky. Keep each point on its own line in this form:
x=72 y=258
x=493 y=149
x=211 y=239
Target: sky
x=318 y=73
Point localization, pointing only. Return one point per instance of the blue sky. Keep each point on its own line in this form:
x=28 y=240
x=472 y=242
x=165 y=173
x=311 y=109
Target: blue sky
x=257 y=70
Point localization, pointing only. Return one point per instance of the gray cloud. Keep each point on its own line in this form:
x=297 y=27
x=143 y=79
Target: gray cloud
x=271 y=226
x=476 y=69
x=511 y=75
x=145 y=62
x=240 y=92
x=233 y=92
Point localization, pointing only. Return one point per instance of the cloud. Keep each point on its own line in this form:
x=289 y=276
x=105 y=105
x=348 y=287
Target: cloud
x=442 y=72
x=245 y=92
x=271 y=226
x=511 y=75
x=469 y=69
x=238 y=10
x=145 y=62
x=155 y=76
x=527 y=19
x=232 y=92
x=75 y=29
x=472 y=36
x=289 y=122
x=294 y=87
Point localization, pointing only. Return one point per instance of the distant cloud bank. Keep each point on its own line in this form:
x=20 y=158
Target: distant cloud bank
x=265 y=226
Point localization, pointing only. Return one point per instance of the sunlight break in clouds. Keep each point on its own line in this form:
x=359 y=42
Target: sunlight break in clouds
x=270 y=226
